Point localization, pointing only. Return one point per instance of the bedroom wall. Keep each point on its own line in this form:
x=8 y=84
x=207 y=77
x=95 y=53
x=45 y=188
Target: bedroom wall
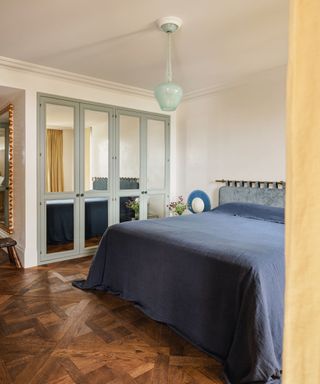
x=33 y=79
x=234 y=133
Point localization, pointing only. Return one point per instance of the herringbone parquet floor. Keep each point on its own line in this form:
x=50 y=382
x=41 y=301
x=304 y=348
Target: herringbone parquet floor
x=52 y=333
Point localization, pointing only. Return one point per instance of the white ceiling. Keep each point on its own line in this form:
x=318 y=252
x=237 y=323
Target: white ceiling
x=117 y=40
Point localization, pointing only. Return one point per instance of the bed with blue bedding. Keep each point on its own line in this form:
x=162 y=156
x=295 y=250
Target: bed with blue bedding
x=217 y=278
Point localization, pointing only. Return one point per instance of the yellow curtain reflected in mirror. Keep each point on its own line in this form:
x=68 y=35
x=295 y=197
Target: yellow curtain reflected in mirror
x=54 y=180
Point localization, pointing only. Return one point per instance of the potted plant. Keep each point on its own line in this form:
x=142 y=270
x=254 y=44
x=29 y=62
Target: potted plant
x=177 y=207
x=134 y=205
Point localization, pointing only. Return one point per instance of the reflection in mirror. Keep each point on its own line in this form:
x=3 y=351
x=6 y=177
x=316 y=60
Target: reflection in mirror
x=156 y=151
x=129 y=152
x=96 y=220
x=156 y=206
x=129 y=208
x=60 y=225
x=6 y=168
x=59 y=148
x=96 y=150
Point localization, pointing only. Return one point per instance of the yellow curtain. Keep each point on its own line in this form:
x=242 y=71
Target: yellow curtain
x=301 y=362
x=54 y=181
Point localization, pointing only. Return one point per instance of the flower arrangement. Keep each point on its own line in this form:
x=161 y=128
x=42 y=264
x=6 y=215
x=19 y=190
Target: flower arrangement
x=177 y=207
x=134 y=205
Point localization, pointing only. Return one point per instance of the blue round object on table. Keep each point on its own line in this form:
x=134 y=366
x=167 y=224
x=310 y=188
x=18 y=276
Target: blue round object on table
x=198 y=201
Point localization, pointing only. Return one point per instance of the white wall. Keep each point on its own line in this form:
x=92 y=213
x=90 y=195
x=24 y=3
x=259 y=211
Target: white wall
x=236 y=133
x=34 y=79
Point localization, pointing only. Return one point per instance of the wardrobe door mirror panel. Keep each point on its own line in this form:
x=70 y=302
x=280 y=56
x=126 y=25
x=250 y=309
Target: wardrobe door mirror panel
x=156 y=154
x=60 y=225
x=60 y=146
x=96 y=150
x=129 y=152
x=96 y=220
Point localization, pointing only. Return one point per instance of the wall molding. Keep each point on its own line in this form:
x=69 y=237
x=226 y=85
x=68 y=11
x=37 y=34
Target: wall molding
x=241 y=80
x=25 y=66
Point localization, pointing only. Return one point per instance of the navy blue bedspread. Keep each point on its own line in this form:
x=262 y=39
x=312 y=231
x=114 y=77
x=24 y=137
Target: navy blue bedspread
x=217 y=278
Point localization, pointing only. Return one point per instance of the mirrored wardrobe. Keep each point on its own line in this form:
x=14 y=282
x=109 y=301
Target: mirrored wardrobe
x=98 y=165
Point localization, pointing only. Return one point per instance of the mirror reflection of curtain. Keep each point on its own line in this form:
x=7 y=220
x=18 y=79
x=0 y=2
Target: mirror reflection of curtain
x=54 y=160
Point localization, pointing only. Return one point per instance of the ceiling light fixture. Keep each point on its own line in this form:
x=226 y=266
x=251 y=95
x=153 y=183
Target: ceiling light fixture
x=169 y=94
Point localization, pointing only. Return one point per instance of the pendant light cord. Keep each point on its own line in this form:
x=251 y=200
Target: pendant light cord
x=169 y=64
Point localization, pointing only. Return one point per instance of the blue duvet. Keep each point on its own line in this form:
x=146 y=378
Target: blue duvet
x=217 y=278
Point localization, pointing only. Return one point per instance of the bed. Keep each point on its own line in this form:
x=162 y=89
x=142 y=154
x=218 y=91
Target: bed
x=216 y=278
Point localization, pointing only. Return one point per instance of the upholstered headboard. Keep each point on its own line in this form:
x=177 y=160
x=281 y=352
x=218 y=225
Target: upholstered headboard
x=257 y=192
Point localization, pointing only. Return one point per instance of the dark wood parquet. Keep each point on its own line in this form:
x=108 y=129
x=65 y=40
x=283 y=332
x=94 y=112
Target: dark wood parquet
x=53 y=333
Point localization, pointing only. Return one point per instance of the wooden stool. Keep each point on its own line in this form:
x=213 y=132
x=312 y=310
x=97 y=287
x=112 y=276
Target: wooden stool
x=10 y=244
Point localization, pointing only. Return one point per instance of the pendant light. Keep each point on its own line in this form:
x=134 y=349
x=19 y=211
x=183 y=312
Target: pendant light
x=169 y=94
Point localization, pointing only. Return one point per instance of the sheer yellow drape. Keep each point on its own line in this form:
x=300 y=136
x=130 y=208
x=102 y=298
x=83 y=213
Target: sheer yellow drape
x=54 y=182
x=302 y=309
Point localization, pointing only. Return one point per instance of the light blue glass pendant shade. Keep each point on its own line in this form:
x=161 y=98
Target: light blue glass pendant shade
x=169 y=95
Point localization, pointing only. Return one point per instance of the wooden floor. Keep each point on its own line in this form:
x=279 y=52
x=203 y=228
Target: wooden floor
x=52 y=333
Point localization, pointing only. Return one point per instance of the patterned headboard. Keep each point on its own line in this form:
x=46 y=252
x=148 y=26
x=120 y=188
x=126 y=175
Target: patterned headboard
x=257 y=192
